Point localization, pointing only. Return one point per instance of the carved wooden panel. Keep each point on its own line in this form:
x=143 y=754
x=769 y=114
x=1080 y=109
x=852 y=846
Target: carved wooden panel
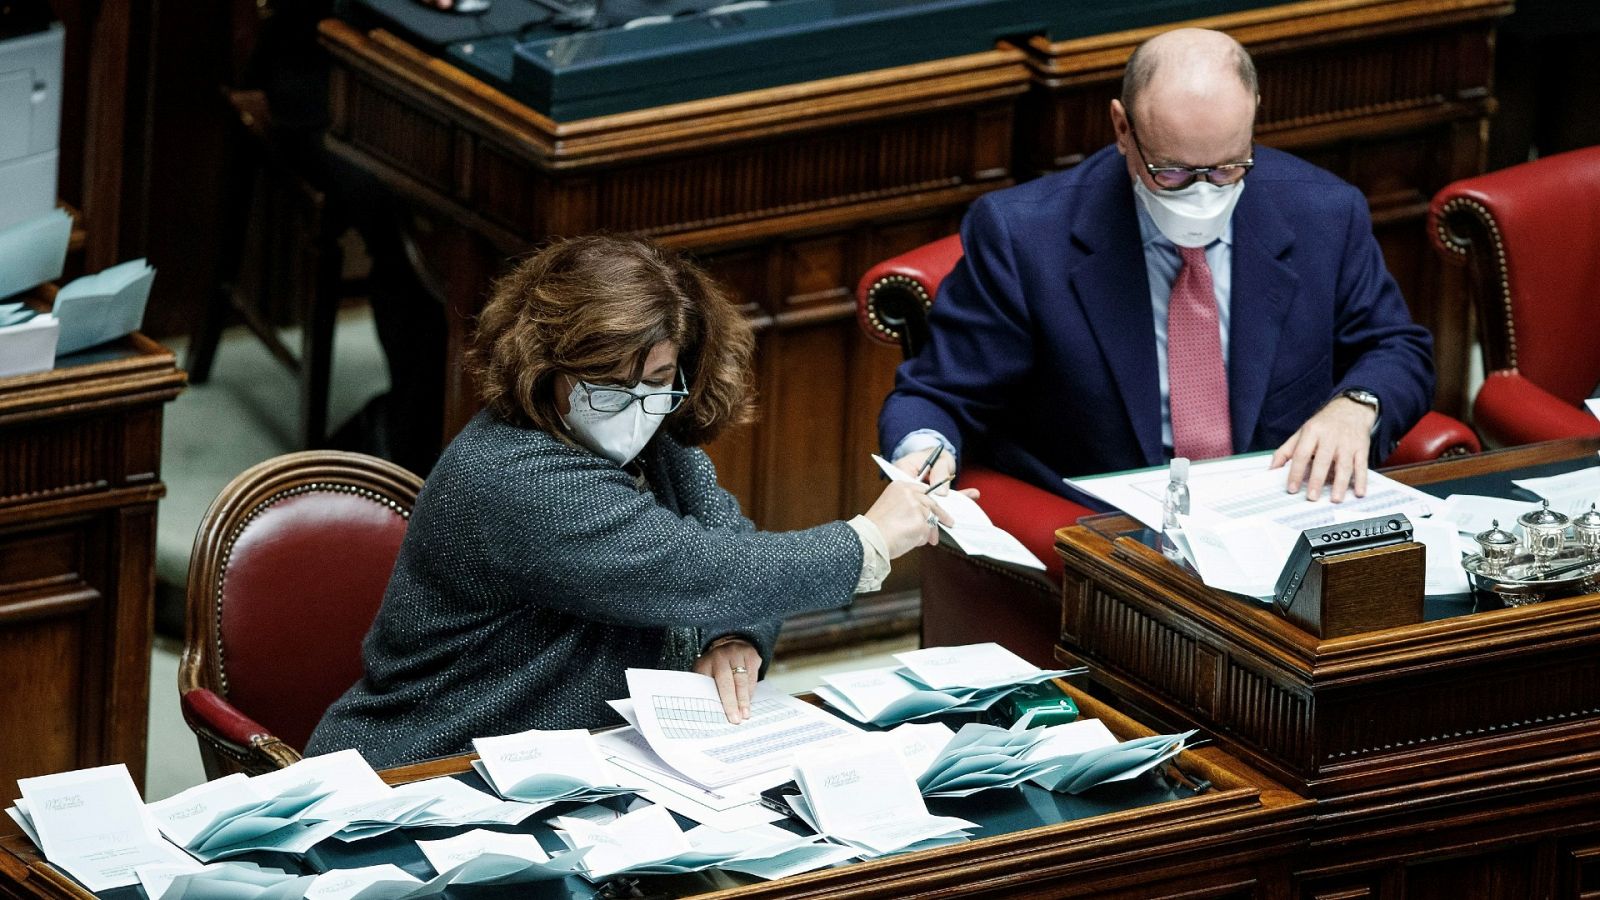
x=1579 y=862
x=80 y=452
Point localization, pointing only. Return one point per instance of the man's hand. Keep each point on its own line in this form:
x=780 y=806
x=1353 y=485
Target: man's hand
x=734 y=666
x=942 y=468
x=1330 y=448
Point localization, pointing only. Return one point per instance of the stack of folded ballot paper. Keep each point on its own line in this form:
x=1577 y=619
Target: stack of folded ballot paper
x=864 y=797
x=968 y=678
x=1066 y=758
x=102 y=307
x=232 y=815
x=545 y=767
x=357 y=801
x=1087 y=754
x=648 y=841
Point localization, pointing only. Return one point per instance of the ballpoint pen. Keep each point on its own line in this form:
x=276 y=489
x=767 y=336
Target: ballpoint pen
x=935 y=487
x=928 y=463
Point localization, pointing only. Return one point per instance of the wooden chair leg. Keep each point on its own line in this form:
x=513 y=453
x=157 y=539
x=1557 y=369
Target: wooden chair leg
x=243 y=189
x=325 y=267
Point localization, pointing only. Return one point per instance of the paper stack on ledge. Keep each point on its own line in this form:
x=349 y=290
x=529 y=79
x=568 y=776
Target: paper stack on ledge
x=935 y=680
x=545 y=767
x=102 y=307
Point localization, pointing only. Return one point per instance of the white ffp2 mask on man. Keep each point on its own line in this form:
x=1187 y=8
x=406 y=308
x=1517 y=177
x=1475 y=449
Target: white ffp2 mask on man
x=1194 y=216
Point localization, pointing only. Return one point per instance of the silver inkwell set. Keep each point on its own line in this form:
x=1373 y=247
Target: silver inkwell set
x=1556 y=556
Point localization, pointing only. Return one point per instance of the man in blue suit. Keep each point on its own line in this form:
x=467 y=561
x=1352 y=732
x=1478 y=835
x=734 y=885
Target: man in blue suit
x=1181 y=292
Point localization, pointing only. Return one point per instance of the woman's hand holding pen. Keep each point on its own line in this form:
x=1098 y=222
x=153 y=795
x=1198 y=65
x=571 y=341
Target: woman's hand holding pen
x=930 y=466
x=908 y=515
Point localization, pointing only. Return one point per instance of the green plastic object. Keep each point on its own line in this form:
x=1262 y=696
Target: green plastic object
x=1049 y=705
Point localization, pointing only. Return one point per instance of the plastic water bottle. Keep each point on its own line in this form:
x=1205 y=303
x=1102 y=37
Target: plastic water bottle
x=1176 y=500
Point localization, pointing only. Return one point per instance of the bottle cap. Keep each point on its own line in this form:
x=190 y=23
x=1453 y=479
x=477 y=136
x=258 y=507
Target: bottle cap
x=1179 y=471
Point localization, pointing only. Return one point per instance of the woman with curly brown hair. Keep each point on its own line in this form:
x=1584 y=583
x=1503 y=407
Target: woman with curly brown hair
x=574 y=529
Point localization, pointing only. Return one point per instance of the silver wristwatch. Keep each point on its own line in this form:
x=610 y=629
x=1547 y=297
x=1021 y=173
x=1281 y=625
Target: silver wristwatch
x=1363 y=397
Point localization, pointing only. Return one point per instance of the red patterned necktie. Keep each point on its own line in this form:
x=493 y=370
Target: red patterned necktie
x=1197 y=381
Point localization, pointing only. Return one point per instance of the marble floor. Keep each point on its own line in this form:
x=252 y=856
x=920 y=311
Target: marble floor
x=243 y=415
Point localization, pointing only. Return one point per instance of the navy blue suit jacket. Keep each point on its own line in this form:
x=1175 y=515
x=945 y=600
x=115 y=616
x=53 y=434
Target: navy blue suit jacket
x=1042 y=357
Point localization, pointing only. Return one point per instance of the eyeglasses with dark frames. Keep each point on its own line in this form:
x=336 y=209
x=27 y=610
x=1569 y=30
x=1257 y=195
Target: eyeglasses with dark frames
x=615 y=400
x=1176 y=178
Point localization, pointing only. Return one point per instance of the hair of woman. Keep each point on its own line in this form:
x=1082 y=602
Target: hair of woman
x=591 y=306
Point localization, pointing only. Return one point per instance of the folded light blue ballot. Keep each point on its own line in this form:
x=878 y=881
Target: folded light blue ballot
x=1065 y=758
x=968 y=678
x=231 y=816
x=102 y=307
x=546 y=766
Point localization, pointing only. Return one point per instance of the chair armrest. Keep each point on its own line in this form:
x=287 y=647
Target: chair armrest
x=1031 y=514
x=233 y=734
x=1512 y=410
x=1435 y=436
x=892 y=299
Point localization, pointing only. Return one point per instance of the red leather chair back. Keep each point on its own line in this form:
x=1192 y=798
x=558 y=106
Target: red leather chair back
x=1530 y=235
x=290 y=567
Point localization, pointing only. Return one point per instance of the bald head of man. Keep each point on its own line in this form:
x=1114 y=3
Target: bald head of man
x=1188 y=100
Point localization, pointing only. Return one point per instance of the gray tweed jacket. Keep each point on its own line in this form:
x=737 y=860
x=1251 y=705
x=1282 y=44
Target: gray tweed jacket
x=534 y=572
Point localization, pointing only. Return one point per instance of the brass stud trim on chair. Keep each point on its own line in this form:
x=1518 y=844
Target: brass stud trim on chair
x=268 y=503
x=1459 y=245
x=896 y=280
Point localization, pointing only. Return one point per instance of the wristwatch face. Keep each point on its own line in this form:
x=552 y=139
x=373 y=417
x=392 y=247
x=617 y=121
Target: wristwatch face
x=1365 y=398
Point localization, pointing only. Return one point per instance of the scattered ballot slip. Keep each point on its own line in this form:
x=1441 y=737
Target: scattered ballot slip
x=546 y=766
x=92 y=824
x=970 y=527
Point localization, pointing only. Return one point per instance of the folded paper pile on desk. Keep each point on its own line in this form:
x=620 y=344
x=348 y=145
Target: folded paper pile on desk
x=932 y=681
x=621 y=798
x=88 y=311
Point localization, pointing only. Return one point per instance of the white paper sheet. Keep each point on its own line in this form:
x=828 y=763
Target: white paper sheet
x=731 y=807
x=975 y=666
x=864 y=795
x=972 y=530
x=1140 y=492
x=447 y=853
x=346 y=774
x=1443 y=573
x=545 y=766
x=1472 y=513
x=682 y=718
x=1570 y=492
x=92 y=823
x=645 y=836
x=1244 y=557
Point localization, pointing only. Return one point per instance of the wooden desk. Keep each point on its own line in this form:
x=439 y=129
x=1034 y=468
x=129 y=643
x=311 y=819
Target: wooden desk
x=1450 y=755
x=1231 y=841
x=80 y=474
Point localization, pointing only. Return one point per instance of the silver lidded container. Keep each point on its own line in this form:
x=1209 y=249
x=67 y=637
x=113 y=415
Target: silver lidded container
x=1498 y=547
x=1544 y=531
x=1586 y=529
